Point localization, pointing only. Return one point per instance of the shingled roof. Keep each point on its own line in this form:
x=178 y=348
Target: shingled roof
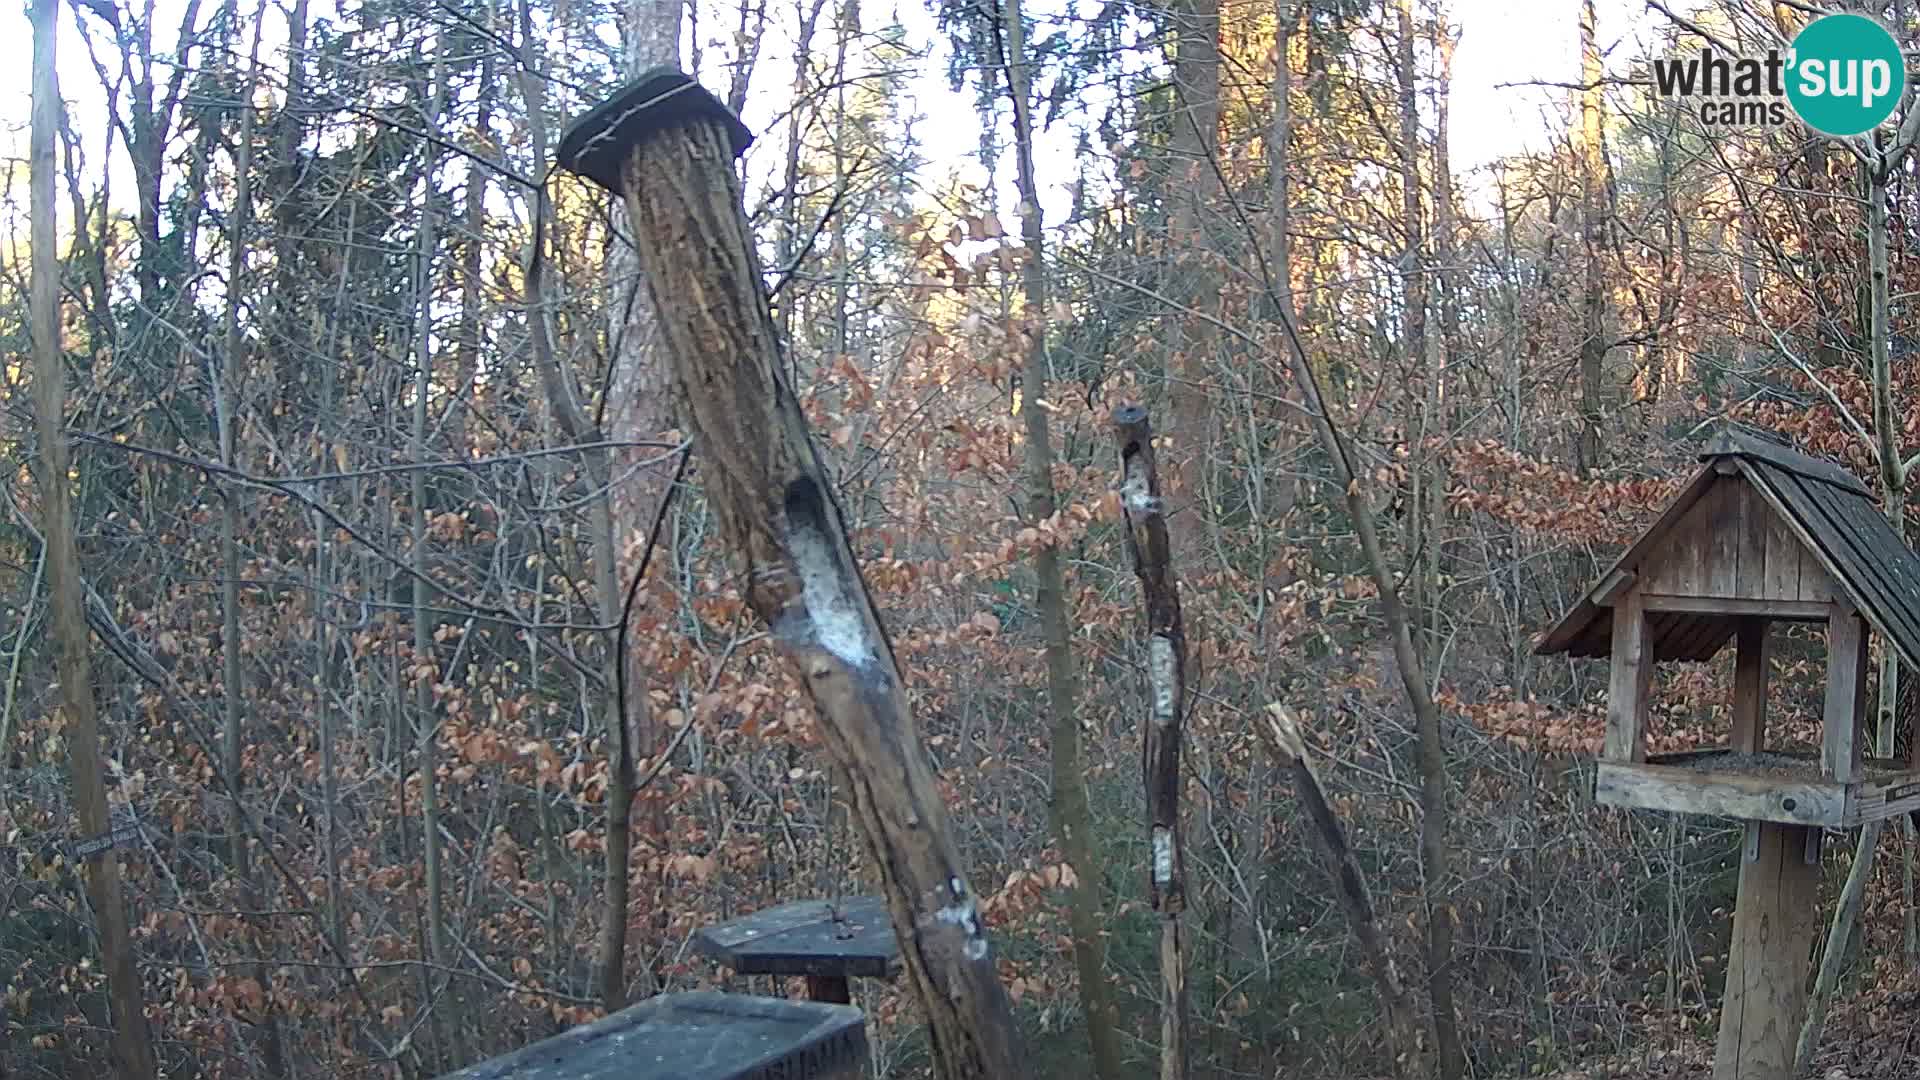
x=1831 y=512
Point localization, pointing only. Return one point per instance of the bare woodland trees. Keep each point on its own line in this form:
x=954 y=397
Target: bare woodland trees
x=364 y=431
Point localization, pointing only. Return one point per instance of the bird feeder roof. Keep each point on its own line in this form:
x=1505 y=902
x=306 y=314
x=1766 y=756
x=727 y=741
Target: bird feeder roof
x=1828 y=510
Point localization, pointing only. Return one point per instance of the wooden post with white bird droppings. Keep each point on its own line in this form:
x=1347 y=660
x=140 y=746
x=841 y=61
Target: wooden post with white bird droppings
x=667 y=146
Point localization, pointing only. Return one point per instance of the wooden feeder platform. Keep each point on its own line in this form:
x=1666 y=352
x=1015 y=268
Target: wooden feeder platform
x=1765 y=786
x=827 y=941
x=697 y=1036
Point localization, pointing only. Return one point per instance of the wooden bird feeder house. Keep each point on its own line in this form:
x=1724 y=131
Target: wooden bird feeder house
x=1761 y=534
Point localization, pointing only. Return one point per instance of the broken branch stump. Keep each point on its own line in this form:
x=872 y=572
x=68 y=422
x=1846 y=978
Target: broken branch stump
x=668 y=146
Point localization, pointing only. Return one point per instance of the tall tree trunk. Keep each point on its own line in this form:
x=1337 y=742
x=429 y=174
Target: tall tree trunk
x=132 y=1041
x=425 y=671
x=1193 y=150
x=1415 y=364
x=227 y=408
x=1433 y=759
x=1593 y=345
x=639 y=408
x=1071 y=816
x=1193 y=145
x=1893 y=484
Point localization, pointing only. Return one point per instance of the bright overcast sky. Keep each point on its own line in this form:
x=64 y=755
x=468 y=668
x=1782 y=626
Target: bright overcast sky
x=1502 y=42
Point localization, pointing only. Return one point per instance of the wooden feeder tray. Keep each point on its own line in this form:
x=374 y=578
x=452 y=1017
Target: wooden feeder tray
x=696 y=1036
x=1769 y=786
x=826 y=940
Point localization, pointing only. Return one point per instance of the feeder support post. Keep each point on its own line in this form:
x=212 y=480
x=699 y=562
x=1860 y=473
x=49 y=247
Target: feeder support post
x=667 y=147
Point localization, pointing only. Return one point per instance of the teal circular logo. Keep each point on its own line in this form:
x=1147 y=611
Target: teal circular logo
x=1846 y=75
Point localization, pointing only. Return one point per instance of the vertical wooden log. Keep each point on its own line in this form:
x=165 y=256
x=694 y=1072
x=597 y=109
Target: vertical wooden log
x=1774 y=922
x=667 y=146
x=1632 y=675
x=1750 y=686
x=1846 y=694
x=1140 y=502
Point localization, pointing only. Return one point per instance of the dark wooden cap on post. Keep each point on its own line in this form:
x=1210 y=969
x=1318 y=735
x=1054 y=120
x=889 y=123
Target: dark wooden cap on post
x=851 y=936
x=696 y=1036
x=596 y=145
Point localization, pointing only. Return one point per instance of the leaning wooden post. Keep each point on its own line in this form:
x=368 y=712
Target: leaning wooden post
x=1281 y=733
x=668 y=147
x=1160 y=759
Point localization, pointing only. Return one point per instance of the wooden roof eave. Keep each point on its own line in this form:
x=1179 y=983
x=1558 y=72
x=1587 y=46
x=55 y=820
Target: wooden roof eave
x=1597 y=602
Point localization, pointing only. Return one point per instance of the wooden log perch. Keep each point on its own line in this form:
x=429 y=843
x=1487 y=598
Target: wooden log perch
x=668 y=147
x=1160 y=752
x=1281 y=733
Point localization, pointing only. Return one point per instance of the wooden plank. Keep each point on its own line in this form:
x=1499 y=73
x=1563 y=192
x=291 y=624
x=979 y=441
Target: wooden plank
x=850 y=936
x=1892 y=798
x=1610 y=587
x=1846 y=689
x=1680 y=568
x=1729 y=795
x=1774 y=922
x=1721 y=543
x=1816 y=585
x=1798 y=610
x=1750 y=686
x=1627 y=688
x=1754 y=519
x=1783 y=552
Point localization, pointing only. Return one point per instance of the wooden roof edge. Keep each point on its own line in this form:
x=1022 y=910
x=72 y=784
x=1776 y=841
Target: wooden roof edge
x=1596 y=600
x=1733 y=442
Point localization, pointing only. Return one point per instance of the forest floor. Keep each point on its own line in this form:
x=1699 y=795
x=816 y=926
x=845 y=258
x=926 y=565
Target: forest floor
x=1872 y=1036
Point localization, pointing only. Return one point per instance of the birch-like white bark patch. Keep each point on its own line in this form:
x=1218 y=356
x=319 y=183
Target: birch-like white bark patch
x=1162 y=856
x=1162 y=673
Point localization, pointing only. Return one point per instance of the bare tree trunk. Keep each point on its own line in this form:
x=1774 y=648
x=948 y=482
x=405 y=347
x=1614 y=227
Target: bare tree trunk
x=1166 y=675
x=227 y=408
x=132 y=1041
x=1593 y=346
x=1416 y=364
x=775 y=507
x=1433 y=759
x=1193 y=144
x=638 y=408
x=425 y=671
x=1893 y=484
x=1071 y=816
x=1194 y=190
